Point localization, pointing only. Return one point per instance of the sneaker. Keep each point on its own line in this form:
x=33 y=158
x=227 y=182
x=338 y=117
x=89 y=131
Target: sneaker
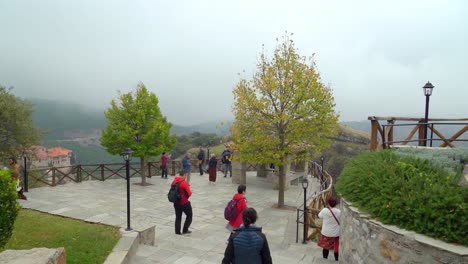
x=187 y=232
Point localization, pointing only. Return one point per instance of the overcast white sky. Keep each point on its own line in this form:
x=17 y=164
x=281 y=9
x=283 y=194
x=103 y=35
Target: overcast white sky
x=376 y=55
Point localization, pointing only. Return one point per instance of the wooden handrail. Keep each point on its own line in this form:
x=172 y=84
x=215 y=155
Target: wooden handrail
x=382 y=136
x=317 y=200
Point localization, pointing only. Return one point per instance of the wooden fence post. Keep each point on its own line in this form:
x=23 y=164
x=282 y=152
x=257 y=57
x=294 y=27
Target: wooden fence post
x=102 y=171
x=53 y=176
x=374 y=135
x=390 y=132
x=149 y=169
x=173 y=168
x=421 y=133
x=78 y=173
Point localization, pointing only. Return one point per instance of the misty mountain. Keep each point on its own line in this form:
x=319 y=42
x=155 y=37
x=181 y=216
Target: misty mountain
x=65 y=120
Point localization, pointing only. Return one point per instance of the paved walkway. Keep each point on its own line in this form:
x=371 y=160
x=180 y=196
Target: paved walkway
x=105 y=202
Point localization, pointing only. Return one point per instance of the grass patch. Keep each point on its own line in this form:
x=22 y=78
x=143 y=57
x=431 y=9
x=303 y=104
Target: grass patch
x=83 y=242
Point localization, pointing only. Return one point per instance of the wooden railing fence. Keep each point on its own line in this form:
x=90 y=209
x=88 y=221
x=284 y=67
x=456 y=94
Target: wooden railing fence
x=315 y=202
x=83 y=172
x=383 y=136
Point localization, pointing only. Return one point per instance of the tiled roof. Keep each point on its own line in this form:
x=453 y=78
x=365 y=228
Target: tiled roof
x=50 y=152
x=57 y=152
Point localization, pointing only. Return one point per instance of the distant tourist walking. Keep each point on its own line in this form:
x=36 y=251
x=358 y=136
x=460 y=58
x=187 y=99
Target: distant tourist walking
x=212 y=167
x=241 y=205
x=183 y=206
x=15 y=177
x=330 y=234
x=247 y=245
x=226 y=160
x=164 y=159
x=187 y=166
x=201 y=158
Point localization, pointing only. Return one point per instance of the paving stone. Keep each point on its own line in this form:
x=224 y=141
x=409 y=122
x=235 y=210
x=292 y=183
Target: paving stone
x=105 y=202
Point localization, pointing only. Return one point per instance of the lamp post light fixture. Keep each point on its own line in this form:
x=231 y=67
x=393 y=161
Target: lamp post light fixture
x=428 y=87
x=305 y=184
x=25 y=170
x=127 y=156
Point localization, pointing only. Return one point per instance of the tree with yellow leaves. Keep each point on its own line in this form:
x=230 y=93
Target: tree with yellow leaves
x=284 y=112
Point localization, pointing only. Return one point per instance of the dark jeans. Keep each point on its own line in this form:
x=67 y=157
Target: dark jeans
x=200 y=167
x=187 y=210
x=163 y=171
x=227 y=167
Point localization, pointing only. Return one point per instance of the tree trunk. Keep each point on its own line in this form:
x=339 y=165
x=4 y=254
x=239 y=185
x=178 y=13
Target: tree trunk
x=143 y=170
x=281 y=184
x=262 y=171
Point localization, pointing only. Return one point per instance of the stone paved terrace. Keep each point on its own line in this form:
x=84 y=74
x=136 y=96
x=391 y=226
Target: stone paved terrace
x=105 y=202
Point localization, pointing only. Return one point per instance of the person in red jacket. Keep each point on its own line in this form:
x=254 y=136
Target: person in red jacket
x=183 y=206
x=241 y=206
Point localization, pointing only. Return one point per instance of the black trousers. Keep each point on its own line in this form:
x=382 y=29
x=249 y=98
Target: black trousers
x=187 y=210
x=163 y=171
x=200 y=167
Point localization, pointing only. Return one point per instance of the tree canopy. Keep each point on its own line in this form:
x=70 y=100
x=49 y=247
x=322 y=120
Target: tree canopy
x=17 y=131
x=284 y=112
x=136 y=122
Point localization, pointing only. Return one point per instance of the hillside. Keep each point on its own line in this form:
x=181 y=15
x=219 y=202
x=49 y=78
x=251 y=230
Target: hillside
x=79 y=129
x=70 y=121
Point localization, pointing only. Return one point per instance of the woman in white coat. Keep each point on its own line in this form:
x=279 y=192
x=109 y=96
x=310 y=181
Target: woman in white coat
x=330 y=234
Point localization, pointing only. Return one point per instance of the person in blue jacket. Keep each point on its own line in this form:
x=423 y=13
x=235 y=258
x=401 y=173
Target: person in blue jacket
x=186 y=165
x=247 y=245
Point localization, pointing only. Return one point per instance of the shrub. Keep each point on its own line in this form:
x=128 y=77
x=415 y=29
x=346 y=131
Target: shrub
x=448 y=158
x=407 y=192
x=9 y=207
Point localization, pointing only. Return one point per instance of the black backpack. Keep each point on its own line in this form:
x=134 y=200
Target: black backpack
x=174 y=195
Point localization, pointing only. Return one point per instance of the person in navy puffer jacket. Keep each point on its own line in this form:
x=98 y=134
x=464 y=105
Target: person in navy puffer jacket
x=247 y=245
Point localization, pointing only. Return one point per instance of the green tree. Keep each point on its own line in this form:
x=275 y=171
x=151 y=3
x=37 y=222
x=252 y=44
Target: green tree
x=284 y=112
x=17 y=131
x=137 y=123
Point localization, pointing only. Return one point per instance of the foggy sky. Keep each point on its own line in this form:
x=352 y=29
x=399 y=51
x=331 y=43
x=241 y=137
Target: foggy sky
x=376 y=55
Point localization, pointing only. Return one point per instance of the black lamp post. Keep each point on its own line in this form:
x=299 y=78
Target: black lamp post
x=127 y=156
x=25 y=172
x=321 y=173
x=427 y=92
x=321 y=161
x=305 y=184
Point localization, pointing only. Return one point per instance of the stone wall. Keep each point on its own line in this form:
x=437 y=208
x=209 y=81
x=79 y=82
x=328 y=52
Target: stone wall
x=34 y=256
x=363 y=240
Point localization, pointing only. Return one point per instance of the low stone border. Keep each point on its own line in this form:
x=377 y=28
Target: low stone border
x=364 y=240
x=34 y=256
x=128 y=244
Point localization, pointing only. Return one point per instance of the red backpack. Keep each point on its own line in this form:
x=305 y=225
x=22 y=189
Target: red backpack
x=230 y=212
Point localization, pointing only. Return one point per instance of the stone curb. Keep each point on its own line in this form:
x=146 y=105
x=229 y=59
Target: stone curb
x=128 y=244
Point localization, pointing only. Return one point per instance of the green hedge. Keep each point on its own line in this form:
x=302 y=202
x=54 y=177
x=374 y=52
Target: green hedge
x=9 y=207
x=407 y=192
